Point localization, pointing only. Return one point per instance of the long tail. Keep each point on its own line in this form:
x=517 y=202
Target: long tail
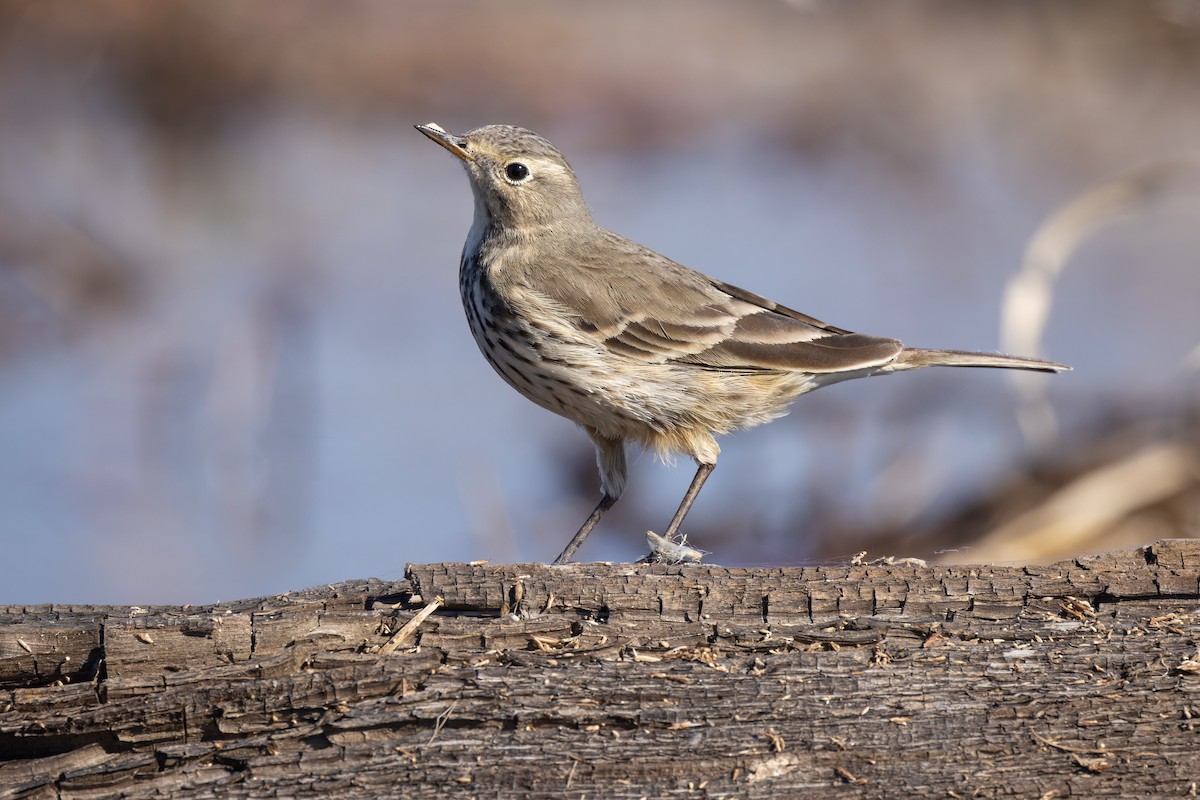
x=916 y=357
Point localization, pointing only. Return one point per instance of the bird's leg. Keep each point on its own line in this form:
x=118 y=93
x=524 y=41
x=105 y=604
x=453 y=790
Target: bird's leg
x=606 y=502
x=610 y=459
x=702 y=472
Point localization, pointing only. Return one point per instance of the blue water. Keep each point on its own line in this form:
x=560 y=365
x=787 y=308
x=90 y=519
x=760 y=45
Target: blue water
x=294 y=398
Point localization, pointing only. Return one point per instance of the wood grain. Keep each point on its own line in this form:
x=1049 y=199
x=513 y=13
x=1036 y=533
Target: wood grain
x=1076 y=679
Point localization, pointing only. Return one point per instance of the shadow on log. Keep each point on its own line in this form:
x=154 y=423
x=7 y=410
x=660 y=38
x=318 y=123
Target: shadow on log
x=1077 y=679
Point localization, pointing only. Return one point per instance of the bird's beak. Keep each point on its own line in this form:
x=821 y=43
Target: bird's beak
x=455 y=144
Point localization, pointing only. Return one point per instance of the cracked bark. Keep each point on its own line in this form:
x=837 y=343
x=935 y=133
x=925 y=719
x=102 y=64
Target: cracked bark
x=1078 y=679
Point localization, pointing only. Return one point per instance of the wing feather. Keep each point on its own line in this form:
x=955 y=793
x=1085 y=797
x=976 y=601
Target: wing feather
x=648 y=308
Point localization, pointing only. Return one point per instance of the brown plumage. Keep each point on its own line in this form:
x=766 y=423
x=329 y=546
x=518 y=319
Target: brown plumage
x=626 y=342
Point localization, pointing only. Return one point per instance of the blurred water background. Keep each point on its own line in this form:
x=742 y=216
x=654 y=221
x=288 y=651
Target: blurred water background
x=233 y=360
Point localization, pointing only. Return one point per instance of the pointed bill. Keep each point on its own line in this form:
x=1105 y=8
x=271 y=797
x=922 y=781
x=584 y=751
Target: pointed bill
x=455 y=144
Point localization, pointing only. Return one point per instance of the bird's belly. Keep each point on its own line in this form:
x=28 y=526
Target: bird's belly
x=516 y=350
x=560 y=377
x=618 y=397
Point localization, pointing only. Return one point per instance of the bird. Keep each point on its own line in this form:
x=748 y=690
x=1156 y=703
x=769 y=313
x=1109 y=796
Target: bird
x=628 y=344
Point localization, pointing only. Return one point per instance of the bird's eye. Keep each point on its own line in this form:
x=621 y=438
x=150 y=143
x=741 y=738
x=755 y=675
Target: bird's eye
x=516 y=172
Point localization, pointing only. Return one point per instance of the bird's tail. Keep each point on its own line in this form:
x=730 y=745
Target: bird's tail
x=916 y=357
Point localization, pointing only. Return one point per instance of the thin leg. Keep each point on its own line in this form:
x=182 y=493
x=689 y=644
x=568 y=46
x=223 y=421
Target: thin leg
x=702 y=473
x=610 y=459
x=606 y=502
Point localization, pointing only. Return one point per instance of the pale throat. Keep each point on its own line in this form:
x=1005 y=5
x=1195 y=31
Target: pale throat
x=479 y=226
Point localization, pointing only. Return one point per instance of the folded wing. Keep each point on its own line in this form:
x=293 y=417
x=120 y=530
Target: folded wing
x=659 y=311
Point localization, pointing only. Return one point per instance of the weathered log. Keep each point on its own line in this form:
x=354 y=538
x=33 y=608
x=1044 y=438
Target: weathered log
x=1077 y=679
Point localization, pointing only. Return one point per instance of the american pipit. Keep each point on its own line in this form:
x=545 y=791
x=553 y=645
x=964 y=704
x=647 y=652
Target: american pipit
x=626 y=342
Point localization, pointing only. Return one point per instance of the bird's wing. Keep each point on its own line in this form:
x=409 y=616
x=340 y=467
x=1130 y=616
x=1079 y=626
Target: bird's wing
x=648 y=308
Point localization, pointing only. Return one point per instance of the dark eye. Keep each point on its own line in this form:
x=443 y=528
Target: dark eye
x=516 y=171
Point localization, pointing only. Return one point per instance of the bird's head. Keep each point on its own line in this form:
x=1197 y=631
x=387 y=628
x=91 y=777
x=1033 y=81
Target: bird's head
x=520 y=180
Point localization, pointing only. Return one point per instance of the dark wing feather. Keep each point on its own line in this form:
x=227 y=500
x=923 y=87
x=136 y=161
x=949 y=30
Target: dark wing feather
x=837 y=352
x=771 y=305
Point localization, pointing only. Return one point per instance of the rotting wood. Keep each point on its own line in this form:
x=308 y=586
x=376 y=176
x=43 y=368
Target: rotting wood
x=1073 y=679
